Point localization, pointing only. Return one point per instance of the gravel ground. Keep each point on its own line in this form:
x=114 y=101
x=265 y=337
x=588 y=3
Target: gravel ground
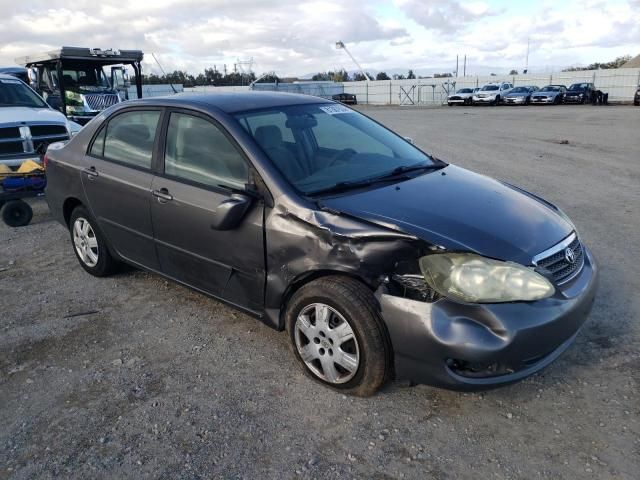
x=136 y=377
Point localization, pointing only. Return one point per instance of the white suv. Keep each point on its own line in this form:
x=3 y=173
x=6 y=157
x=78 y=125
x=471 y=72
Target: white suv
x=492 y=93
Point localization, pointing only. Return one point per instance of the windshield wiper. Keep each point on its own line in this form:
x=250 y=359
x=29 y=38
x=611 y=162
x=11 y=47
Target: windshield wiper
x=395 y=174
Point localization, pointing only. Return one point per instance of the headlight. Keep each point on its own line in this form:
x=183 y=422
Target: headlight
x=73 y=98
x=468 y=277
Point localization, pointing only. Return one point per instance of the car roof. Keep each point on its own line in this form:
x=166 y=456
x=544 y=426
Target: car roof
x=233 y=102
x=6 y=76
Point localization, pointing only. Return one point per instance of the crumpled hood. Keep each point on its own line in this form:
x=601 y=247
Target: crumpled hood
x=461 y=210
x=28 y=114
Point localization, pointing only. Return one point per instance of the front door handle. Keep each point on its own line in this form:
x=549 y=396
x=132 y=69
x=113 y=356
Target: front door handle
x=91 y=172
x=163 y=195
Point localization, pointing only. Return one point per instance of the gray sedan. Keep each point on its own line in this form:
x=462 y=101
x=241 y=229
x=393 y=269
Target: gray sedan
x=551 y=94
x=377 y=259
x=520 y=95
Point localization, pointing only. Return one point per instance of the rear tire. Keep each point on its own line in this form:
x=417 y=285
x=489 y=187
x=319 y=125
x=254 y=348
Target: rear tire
x=325 y=311
x=89 y=244
x=16 y=213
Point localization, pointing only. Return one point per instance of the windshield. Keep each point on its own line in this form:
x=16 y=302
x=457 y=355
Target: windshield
x=318 y=146
x=520 y=90
x=83 y=77
x=578 y=86
x=14 y=93
x=550 y=88
x=487 y=88
x=465 y=90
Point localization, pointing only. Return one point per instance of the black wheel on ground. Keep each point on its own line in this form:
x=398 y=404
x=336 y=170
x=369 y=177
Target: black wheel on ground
x=16 y=213
x=89 y=244
x=450 y=104
x=636 y=103
x=337 y=335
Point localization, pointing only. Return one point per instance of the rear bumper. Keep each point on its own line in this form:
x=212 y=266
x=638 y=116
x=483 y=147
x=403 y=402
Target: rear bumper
x=475 y=346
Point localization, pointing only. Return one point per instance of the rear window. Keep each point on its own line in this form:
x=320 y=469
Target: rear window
x=488 y=88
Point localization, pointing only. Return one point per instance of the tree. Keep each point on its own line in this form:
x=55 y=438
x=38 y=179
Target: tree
x=513 y=72
x=340 y=76
x=382 y=76
x=410 y=75
x=617 y=63
x=359 y=77
x=397 y=76
x=322 y=77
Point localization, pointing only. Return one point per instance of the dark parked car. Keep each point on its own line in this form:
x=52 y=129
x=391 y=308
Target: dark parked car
x=552 y=94
x=636 y=97
x=580 y=93
x=376 y=258
x=346 y=98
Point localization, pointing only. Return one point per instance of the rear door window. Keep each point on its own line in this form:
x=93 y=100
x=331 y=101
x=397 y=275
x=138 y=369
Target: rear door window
x=130 y=137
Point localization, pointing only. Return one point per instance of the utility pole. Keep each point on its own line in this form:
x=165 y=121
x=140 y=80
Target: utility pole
x=526 y=65
x=340 y=45
x=464 y=67
x=457 y=65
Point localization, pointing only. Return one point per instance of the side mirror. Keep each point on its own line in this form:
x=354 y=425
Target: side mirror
x=230 y=212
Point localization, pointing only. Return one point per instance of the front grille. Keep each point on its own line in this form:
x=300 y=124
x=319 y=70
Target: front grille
x=42 y=130
x=455 y=98
x=8 y=148
x=555 y=260
x=9 y=133
x=18 y=140
x=100 y=101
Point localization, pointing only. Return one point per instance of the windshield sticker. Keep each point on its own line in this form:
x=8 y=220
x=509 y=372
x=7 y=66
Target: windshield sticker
x=335 y=109
x=9 y=80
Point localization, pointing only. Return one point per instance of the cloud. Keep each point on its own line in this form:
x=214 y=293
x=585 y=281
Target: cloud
x=295 y=37
x=445 y=16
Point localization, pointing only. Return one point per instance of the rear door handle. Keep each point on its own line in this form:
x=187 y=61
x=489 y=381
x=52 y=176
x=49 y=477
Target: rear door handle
x=163 y=195
x=90 y=172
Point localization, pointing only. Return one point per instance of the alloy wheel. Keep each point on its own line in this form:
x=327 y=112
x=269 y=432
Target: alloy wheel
x=326 y=343
x=85 y=242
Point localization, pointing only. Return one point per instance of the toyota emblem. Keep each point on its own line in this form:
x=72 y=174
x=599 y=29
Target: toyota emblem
x=570 y=256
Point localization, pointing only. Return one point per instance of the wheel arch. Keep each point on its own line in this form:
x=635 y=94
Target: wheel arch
x=69 y=206
x=304 y=278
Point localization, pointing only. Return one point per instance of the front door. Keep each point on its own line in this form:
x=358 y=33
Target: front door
x=202 y=170
x=117 y=182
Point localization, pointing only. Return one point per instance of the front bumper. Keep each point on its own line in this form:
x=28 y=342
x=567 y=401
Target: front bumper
x=475 y=346
x=489 y=100
x=546 y=100
x=574 y=99
x=515 y=100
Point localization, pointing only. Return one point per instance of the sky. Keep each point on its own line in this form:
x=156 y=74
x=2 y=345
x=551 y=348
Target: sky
x=297 y=37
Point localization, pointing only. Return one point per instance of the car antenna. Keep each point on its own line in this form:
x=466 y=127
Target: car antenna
x=163 y=72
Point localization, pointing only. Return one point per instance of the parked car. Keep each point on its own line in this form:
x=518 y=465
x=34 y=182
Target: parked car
x=636 y=97
x=27 y=124
x=552 y=94
x=461 y=97
x=492 y=93
x=18 y=72
x=377 y=259
x=520 y=95
x=346 y=98
x=580 y=93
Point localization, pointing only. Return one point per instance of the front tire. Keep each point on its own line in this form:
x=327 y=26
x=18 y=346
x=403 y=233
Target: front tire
x=89 y=244
x=337 y=335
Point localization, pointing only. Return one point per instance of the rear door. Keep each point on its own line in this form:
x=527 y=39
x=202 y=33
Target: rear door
x=117 y=182
x=203 y=169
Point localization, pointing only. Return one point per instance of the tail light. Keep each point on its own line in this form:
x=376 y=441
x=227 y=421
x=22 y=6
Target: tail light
x=45 y=161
